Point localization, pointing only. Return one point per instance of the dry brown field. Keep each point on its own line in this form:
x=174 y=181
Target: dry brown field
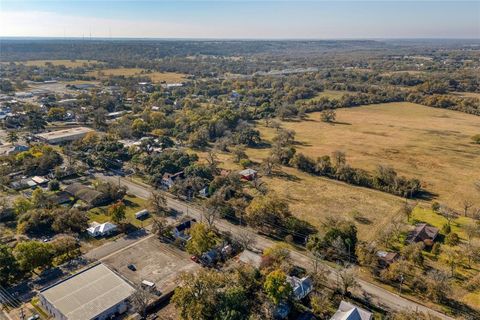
x=431 y=144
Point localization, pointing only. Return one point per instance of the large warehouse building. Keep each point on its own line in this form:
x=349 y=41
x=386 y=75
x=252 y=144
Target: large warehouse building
x=62 y=136
x=96 y=293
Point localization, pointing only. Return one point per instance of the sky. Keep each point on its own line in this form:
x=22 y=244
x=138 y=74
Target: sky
x=244 y=19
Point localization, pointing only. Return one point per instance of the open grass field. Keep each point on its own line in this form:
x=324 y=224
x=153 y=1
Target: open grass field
x=169 y=77
x=133 y=205
x=66 y=63
x=431 y=144
x=313 y=198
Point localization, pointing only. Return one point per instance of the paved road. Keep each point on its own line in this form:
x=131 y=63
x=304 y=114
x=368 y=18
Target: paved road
x=379 y=296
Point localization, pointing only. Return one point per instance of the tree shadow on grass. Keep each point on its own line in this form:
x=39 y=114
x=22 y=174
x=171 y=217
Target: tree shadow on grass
x=286 y=176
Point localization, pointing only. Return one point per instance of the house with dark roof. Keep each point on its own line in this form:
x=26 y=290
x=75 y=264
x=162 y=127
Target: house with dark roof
x=90 y=196
x=180 y=230
x=385 y=258
x=421 y=233
x=169 y=179
x=301 y=286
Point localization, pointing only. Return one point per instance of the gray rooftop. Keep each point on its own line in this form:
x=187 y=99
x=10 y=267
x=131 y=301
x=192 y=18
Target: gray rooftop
x=88 y=293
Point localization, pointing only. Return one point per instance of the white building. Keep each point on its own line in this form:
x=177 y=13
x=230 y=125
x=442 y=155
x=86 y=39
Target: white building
x=94 y=293
x=66 y=135
x=101 y=230
x=348 y=311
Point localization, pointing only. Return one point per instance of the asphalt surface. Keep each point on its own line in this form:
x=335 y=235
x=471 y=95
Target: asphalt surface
x=378 y=296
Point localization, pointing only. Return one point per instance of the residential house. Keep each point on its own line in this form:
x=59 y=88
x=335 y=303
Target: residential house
x=385 y=258
x=101 y=230
x=40 y=181
x=168 y=179
x=92 y=197
x=248 y=174
x=301 y=286
x=348 y=311
x=60 y=198
x=180 y=230
x=421 y=233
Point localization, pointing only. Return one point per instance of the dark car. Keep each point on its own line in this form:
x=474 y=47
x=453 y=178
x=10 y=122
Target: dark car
x=132 y=267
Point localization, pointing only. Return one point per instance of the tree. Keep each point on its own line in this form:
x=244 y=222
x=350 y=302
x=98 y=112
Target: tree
x=213 y=295
x=328 y=115
x=54 y=185
x=213 y=208
x=66 y=246
x=35 y=121
x=157 y=204
x=202 y=239
x=407 y=209
x=467 y=204
x=322 y=305
x=69 y=221
x=33 y=254
x=276 y=286
x=436 y=249
x=39 y=198
x=452 y=239
x=117 y=211
x=140 y=300
x=267 y=212
x=245 y=238
x=346 y=280
x=239 y=153
x=12 y=137
x=413 y=252
x=453 y=258
x=21 y=205
x=437 y=285
x=100 y=119
x=447 y=213
x=8 y=266
x=476 y=139
x=472 y=231
x=161 y=228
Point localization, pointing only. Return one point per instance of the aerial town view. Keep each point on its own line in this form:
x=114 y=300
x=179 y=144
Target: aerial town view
x=239 y=160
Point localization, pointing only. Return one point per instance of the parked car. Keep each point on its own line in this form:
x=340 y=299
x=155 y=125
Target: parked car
x=132 y=267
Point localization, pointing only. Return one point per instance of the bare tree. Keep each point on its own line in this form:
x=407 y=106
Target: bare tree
x=246 y=239
x=140 y=300
x=407 y=209
x=161 y=228
x=467 y=204
x=158 y=203
x=447 y=213
x=212 y=160
x=346 y=280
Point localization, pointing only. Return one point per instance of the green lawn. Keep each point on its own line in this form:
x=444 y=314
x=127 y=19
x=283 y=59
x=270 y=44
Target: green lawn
x=438 y=221
x=133 y=205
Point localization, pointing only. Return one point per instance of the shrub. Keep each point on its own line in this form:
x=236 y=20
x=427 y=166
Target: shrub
x=446 y=229
x=476 y=139
x=452 y=239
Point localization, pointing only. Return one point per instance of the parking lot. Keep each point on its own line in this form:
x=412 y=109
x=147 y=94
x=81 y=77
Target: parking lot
x=154 y=261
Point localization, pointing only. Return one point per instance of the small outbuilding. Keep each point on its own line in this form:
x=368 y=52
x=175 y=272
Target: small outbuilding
x=248 y=174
